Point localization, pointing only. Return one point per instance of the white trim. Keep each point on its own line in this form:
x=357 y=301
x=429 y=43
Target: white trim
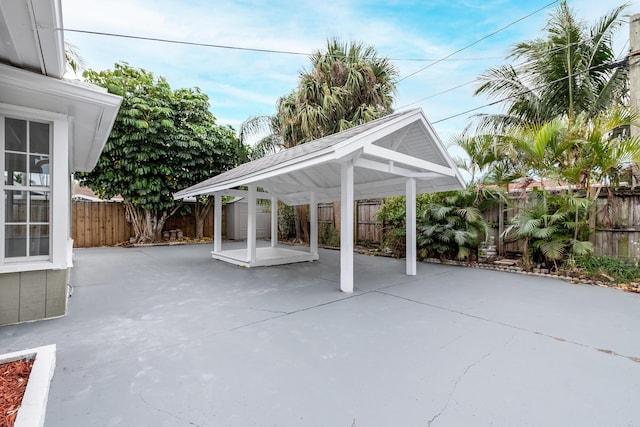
x=19 y=267
x=385 y=153
x=274 y=222
x=251 y=224
x=20 y=112
x=410 y=227
x=60 y=193
x=390 y=168
x=217 y=223
x=313 y=224
x=346 y=228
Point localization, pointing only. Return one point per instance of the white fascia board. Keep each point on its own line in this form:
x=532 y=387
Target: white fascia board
x=46 y=18
x=390 y=168
x=57 y=87
x=385 y=153
x=310 y=160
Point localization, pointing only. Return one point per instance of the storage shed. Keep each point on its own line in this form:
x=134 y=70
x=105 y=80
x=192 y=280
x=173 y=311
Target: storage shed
x=237 y=219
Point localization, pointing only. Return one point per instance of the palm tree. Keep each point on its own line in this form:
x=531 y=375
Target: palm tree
x=452 y=225
x=347 y=85
x=564 y=74
x=480 y=154
x=547 y=229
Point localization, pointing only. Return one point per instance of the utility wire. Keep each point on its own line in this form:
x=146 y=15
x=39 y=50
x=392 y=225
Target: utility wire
x=478 y=41
x=516 y=67
x=250 y=49
x=612 y=63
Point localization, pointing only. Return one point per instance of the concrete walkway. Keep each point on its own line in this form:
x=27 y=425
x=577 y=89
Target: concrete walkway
x=165 y=336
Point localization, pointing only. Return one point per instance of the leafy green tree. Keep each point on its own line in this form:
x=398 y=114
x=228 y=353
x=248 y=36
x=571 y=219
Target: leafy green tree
x=564 y=74
x=162 y=141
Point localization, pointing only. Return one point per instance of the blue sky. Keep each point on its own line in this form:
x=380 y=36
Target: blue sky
x=241 y=84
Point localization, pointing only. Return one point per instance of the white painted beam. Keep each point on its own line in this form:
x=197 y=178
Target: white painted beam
x=313 y=220
x=410 y=222
x=394 y=170
x=217 y=223
x=274 y=222
x=346 y=227
x=251 y=224
x=385 y=153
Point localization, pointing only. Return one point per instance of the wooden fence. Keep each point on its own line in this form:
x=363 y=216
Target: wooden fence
x=618 y=236
x=98 y=224
x=104 y=224
x=367 y=230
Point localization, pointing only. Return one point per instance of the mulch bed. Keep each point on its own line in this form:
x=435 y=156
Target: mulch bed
x=13 y=382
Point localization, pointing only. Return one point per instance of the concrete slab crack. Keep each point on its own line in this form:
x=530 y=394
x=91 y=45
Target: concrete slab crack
x=191 y=423
x=455 y=386
x=635 y=359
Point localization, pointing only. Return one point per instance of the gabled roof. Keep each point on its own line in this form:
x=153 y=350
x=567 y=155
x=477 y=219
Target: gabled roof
x=385 y=152
x=32 y=46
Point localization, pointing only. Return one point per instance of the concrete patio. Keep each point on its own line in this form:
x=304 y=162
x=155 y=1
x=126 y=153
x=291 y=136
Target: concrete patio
x=166 y=336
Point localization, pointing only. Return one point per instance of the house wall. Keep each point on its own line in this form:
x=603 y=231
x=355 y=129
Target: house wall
x=34 y=289
x=32 y=295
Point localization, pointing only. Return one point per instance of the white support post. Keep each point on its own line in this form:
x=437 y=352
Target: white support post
x=274 y=222
x=346 y=228
x=313 y=233
x=251 y=224
x=217 y=223
x=411 y=227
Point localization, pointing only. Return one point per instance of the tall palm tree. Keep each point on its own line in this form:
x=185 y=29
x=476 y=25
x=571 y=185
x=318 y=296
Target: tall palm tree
x=346 y=85
x=564 y=74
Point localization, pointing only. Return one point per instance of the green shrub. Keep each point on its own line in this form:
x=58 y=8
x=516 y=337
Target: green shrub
x=609 y=267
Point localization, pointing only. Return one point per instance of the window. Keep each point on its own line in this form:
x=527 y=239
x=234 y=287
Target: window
x=26 y=148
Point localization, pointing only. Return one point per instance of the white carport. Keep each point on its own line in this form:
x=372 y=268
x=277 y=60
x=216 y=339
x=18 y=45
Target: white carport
x=399 y=154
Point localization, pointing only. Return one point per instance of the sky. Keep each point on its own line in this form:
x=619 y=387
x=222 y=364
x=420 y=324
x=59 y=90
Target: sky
x=244 y=83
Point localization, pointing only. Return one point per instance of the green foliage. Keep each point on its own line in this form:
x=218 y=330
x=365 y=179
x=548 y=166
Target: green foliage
x=392 y=214
x=549 y=229
x=163 y=140
x=327 y=235
x=347 y=84
x=567 y=72
x=608 y=267
x=452 y=226
x=286 y=221
x=449 y=225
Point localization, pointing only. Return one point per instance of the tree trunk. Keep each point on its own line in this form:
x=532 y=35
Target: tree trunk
x=302 y=223
x=200 y=213
x=147 y=226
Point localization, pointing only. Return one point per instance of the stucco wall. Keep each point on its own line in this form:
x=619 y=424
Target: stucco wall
x=32 y=295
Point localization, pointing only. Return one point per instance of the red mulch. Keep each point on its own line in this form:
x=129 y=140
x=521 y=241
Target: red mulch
x=13 y=382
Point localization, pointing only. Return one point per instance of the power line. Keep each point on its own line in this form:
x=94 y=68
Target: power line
x=478 y=41
x=250 y=49
x=520 y=65
x=612 y=63
x=182 y=42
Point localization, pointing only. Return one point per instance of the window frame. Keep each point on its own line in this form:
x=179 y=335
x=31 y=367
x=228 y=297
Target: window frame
x=28 y=190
